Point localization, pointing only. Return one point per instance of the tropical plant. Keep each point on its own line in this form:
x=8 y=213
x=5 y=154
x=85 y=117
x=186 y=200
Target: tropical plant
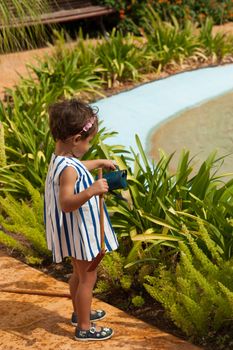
x=216 y=46
x=121 y=58
x=14 y=33
x=196 y=291
x=168 y=41
x=160 y=203
x=28 y=143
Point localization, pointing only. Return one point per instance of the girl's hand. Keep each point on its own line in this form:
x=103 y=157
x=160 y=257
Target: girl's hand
x=99 y=187
x=108 y=164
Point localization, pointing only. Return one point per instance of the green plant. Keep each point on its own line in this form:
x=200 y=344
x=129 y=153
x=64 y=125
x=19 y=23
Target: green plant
x=138 y=301
x=12 y=243
x=28 y=143
x=197 y=11
x=120 y=58
x=65 y=74
x=2 y=147
x=160 y=203
x=112 y=274
x=117 y=4
x=22 y=225
x=216 y=46
x=219 y=11
x=197 y=291
x=168 y=41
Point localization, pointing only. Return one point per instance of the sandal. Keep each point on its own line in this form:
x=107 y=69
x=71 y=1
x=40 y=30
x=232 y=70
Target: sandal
x=94 y=316
x=93 y=334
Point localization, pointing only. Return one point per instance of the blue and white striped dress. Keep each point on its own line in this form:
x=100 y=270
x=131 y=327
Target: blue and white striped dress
x=76 y=233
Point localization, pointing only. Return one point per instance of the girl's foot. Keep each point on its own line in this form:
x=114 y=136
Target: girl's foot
x=102 y=333
x=94 y=316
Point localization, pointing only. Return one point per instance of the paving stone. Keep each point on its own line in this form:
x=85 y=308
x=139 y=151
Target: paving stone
x=38 y=322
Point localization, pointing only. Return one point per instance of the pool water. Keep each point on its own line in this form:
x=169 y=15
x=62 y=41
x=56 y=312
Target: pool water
x=184 y=110
x=201 y=130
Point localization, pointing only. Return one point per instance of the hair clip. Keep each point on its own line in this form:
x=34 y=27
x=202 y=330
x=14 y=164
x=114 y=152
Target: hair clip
x=88 y=125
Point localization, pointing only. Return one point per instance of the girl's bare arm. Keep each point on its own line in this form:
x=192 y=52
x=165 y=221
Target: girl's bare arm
x=70 y=201
x=99 y=163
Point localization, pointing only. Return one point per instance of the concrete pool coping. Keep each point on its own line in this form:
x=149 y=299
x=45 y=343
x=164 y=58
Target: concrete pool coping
x=141 y=109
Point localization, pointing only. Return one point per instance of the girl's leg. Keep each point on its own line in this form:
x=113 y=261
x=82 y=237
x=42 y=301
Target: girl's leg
x=73 y=284
x=83 y=296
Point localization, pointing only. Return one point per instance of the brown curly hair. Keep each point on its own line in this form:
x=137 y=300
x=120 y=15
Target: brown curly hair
x=67 y=118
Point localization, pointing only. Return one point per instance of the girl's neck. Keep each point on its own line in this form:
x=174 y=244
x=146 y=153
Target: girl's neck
x=63 y=149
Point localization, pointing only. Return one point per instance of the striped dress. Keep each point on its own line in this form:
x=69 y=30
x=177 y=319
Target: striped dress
x=77 y=233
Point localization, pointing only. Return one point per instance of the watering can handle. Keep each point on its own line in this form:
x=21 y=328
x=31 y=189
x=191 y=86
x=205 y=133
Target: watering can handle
x=101 y=206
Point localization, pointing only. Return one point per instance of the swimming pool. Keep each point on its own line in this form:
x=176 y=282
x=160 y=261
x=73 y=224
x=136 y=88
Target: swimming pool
x=201 y=129
x=143 y=108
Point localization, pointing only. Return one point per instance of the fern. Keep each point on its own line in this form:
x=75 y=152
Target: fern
x=198 y=291
x=126 y=281
x=228 y=294
x=112 y=266
x=138 y=301
x=211 y=245
x=196 y=276
x=202 y=258
x=112 y=274
x=195 y=312
x=102 y=286
x=12 y=243
x=25 y=221
x=180 y=317
x=185 y=284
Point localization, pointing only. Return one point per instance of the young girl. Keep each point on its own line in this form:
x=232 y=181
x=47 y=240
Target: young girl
x=72 y=209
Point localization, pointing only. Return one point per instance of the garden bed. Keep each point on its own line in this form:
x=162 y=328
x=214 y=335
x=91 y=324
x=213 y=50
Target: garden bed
x=177 y=195
x=19 y=60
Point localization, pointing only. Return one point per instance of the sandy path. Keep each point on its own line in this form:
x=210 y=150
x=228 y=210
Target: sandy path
x=13 y=65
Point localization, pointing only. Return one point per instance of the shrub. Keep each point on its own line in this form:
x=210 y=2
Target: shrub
x=215 y=46
x=121 y=58
x=113 y=274
x=160 y=203
x=168 y=41
x=196 y=292
x=22 y=225
x=220 y=11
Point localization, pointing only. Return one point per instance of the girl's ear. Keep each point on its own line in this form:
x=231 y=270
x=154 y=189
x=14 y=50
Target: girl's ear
x=77 y=138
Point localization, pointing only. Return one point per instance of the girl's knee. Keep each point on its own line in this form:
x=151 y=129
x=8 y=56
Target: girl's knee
x=80 y=268
x=88 y=278
x=73 y=278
